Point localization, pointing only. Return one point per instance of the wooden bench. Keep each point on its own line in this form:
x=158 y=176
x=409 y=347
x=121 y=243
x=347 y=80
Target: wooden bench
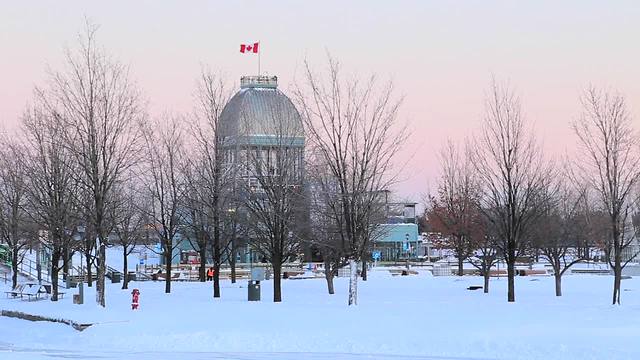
x=592 y=271
x=33 y=291
x=48 y=290
x=529 y=272
x=402 y=272
x=15 y=292
x=163 y=276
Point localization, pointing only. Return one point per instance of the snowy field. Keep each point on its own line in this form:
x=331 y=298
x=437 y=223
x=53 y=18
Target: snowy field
x=414 y=317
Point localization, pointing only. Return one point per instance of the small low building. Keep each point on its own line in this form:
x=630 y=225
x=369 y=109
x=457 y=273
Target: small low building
x=397 y=242
x=398 y=238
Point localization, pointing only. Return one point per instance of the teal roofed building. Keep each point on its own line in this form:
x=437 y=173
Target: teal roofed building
x=398 y=238
x=398 y=241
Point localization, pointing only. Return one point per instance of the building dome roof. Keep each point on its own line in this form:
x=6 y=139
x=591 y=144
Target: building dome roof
x=260 y=111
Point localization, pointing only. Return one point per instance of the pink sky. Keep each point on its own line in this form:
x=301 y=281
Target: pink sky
x=441 y=55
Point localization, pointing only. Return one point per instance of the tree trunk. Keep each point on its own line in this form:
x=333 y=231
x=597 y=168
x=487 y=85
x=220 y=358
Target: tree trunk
x=486 y=274
x=125 y=270
x=558 y=277
x=89 y=241
x=55 y=260
x=14 y=267
x=328 y=274
x=617 y=277
x=167 y=260
x=277 y=281
x=353 y=282
x=202 y=271
x=100 y=285
x=460 y=266
x=232 y=261
x=39 y=261
x=87 y=257
x=511 y=274
x=216 y=280
x=217 y=251
x=66 y=257
x=364 y=270
x=330 y=286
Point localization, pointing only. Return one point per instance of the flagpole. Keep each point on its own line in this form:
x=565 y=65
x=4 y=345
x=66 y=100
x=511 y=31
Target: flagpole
x=259 y=51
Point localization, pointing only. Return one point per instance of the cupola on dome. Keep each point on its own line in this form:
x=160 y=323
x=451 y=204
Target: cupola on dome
x=260 y=113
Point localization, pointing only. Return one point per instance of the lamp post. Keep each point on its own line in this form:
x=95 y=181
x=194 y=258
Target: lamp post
x=406 y=238
x=250 y=258
x=38 y=262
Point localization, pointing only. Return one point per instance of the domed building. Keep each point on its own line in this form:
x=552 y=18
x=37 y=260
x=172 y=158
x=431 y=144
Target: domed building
x=259 y=122
x=262 y=139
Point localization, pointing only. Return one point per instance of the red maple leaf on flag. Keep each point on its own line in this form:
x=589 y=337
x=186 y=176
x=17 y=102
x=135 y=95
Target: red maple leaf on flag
x=249 y=48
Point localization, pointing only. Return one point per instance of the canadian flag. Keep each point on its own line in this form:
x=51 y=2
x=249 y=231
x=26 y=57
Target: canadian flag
x=249 y=48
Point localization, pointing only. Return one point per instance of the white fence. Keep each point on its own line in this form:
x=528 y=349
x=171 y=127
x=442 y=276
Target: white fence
x=441 y=270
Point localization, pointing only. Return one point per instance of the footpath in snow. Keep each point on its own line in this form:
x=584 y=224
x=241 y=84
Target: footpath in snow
x=399 y=317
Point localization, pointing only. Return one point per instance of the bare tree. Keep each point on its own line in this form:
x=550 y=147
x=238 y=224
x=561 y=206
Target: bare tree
x=455 y=209
x=234 y=228
x=353 y=125
x=486 y=253
x=325 y=221
x=274 y=195
x=13 y=202
x=101 y=107
x=197 y=225
x=51 y=184
x=608 y=164
x=595 y=225
x=511 y=170
x=129 y=216
x=214 y=177
x=560 y=226
x=166 y=186
x=88 y=242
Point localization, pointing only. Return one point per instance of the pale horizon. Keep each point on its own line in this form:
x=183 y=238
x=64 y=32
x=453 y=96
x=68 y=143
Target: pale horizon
x=441 y=56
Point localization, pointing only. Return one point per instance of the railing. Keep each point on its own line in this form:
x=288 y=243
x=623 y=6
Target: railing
x=259 y=81
x=78 y=274
x=111 y=271
x=191 y=272
x=5 y=256
x=27 y=267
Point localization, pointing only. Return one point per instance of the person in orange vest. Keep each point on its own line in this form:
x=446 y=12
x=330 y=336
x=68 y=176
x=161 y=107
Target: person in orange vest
x=210 y=274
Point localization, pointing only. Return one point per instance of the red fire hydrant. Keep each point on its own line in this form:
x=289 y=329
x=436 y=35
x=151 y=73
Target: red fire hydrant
x=135 y=297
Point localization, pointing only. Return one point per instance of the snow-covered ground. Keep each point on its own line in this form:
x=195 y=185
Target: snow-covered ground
x=397 y=318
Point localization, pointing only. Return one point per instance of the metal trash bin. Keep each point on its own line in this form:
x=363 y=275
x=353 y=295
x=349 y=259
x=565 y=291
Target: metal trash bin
x=115 y=278
x=254 y=290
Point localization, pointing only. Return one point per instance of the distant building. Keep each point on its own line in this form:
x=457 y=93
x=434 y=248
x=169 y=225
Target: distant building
x=258 y=121
x=257 y=124
x=398 y=237
x=632 y=252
